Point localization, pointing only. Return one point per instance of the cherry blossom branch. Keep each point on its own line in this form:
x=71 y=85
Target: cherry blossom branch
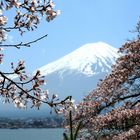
x=135 y=103
x=51 y=103
x=119 y=99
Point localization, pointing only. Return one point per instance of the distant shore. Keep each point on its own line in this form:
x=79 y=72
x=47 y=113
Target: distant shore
x=17 y=123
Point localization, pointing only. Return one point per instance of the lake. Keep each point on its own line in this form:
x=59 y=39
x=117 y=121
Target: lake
x=32 y=134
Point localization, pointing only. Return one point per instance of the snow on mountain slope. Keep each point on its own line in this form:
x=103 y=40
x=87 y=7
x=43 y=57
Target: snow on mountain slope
x=78 y=73
x=82 y=60
x=75 y=74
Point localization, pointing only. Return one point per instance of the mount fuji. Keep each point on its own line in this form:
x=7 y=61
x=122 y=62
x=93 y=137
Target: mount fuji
x=75 y=74
x=78 y=73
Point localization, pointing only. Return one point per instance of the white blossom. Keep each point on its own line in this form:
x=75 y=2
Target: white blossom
x=0 y=12
x=3 y=20
x=58 y=12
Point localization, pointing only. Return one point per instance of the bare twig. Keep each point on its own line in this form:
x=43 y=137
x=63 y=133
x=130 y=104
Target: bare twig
x=21 y=44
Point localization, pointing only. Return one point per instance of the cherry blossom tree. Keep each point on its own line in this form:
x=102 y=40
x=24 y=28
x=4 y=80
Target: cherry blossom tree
x=26 y=90
x=112 y=110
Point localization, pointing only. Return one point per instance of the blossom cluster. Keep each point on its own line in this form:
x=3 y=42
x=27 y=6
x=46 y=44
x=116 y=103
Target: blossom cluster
x=28 y=15
x=26 y=90
x=112 y=110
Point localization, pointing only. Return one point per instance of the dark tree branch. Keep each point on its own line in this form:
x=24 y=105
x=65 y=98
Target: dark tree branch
x=119 y=99
x=10 y=28
x=135 y=103
x=51 y=104
x=24 y=44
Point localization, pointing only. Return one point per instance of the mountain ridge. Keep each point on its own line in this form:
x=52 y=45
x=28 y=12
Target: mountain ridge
x=78 y=72
x=75 y=74
x=83 y=58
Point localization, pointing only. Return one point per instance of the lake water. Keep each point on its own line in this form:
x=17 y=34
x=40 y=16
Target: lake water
x=31 y=134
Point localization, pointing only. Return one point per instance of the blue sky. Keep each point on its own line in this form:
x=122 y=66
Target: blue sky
x=80 y=22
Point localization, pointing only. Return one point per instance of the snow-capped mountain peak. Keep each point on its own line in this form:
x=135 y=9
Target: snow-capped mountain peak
x=89 y=60
x=76 y=74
